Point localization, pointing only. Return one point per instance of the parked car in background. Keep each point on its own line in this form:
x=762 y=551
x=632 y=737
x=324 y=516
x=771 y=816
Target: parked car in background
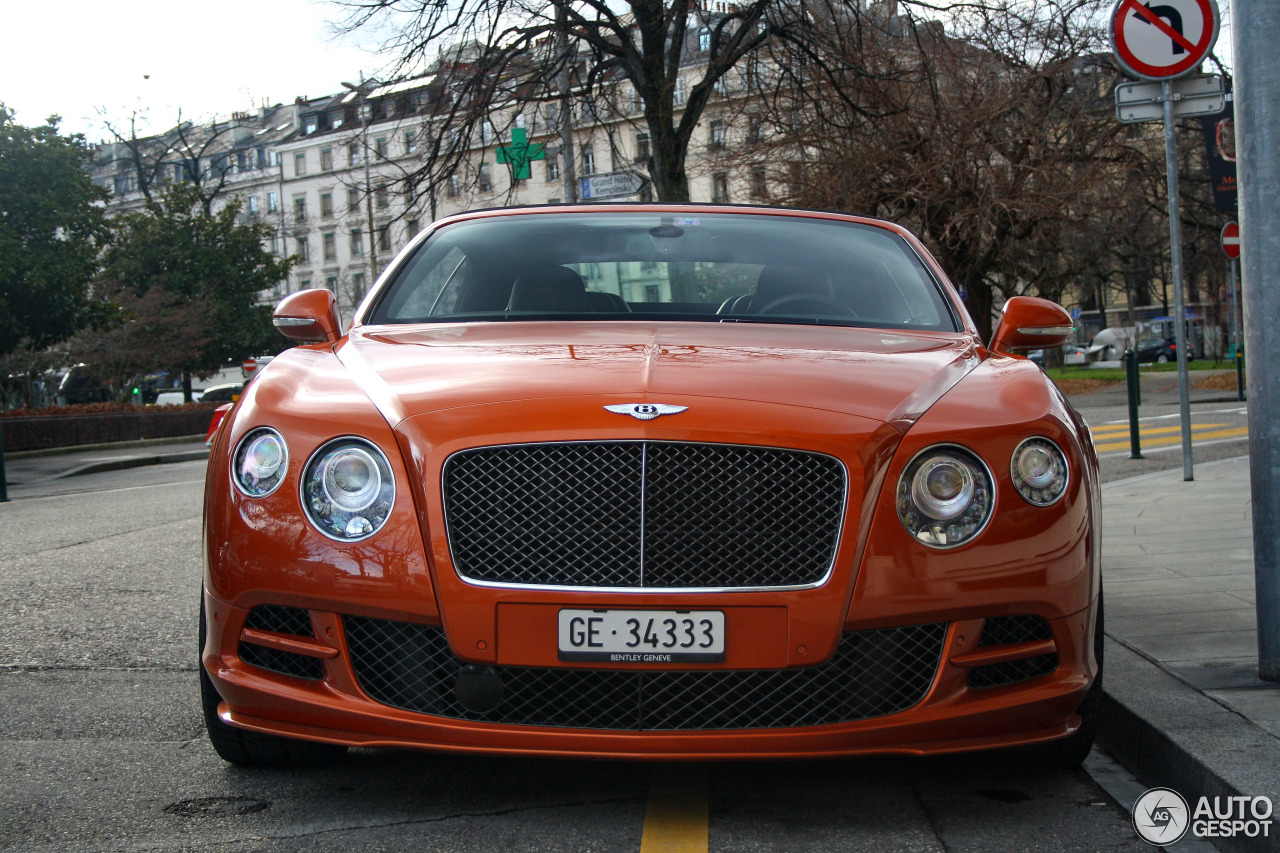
x=1156 y=350
x=226 y=393
x=82 y=384
x=676 y=482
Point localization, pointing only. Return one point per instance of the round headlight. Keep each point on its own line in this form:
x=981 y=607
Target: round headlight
x=347 y=489
x=1039 y=471
x=945 y=496
x=260 y=462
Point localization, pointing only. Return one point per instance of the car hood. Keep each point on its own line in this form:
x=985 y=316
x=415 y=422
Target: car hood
x=885 y=375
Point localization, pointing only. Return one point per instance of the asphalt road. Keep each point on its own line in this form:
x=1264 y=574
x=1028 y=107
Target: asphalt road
x=103 y=747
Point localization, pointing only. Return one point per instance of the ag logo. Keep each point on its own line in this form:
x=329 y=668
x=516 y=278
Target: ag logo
x=646 y=411
x=1161 y=816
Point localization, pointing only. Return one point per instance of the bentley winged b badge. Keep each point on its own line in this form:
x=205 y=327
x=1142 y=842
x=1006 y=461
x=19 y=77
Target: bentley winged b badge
x=646 y=411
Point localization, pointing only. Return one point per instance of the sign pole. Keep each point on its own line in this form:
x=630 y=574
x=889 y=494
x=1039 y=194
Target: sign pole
x=1175 y=247
x=1235 y=308
x=1256 y=31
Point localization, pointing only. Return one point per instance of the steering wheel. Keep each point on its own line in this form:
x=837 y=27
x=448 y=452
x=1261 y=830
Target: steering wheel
x=823 y=304
x=727 y=306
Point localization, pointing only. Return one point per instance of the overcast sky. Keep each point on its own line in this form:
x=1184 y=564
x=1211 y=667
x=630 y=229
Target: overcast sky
x=86 y=60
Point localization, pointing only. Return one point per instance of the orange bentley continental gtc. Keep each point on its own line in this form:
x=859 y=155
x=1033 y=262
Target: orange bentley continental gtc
x=653 y=481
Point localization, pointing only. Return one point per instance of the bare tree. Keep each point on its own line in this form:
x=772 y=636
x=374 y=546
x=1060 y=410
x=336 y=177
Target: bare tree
x=993 y=138
x=655 y=64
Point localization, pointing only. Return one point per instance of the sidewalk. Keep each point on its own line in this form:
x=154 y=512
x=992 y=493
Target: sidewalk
x=30 y=467
x=1185 y=708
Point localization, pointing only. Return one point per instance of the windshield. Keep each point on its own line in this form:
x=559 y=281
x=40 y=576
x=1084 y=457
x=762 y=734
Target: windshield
x=711 y=267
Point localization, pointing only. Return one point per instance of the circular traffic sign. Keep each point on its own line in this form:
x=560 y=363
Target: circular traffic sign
x=1162 y=39
x=249 y=365
x=1231 y=240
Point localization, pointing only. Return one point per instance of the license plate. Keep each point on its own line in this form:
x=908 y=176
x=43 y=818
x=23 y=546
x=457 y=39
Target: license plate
x=642 y=636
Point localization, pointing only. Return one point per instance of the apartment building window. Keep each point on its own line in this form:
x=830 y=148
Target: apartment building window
x=274 y=242
x=263 y=153
x=384 y=238
x=241 y=163
x=410 y=142
x=326 y=205
x=273 y=157
x=326 y=159
x=304 y=284
x=454 y=186
x=310 y=124
x=357 y=241
x=381 y=199
x=336 y=118
x=330 y=246
x=759 y=182
x=485 y=180
x=304 y=250
x=179 y=171
x=357 y=285
x=300 y=208
x=755 y=129
x=588 y=160
x=300 y=163
x=719 y=187
x=354 y=155
x=682 y=91
x=704 y=38
x=411 y=229
x=553 y=167
x=486 y=132
x=273 y=201
x=642 y=148
x=251 y=204
x=353 y=199
x=380 y=147
x=331 y=282
x=717 y=134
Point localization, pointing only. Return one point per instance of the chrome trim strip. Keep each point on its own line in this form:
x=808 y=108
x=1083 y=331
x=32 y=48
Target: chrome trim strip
x=633 y=590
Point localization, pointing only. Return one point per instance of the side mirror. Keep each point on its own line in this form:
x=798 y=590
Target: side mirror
x=1031 y=323
x=309 y=316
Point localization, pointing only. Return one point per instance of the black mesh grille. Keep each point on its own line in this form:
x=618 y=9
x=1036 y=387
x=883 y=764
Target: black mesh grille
x=643 y=514
x=281 y=619
x=1011 y=672
x=285 y=663
x=873 y=673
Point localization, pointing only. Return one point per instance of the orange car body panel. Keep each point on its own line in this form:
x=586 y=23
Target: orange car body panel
x=870 y=398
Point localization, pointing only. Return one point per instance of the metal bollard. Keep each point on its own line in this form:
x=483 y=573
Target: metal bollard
x=1135 y=390
x=4 y=487
x=1239 y=373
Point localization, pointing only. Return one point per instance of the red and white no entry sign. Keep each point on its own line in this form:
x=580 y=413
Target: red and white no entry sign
x=1231 y=240
x=1161 y=39
x=249 y=365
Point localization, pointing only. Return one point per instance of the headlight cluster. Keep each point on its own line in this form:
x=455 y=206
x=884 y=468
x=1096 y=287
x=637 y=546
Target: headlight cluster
x=347 y=489
x=260 y=463
x=946 y=495
x=1039 y=471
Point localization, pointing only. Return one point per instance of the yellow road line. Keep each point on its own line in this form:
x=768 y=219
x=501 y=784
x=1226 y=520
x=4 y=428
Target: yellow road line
x=1238 y=432
x=675 y=820
x=1118 y=429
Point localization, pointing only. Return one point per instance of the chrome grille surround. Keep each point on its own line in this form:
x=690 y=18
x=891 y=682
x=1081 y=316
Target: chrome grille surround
x=643 y=515
x=872 y=674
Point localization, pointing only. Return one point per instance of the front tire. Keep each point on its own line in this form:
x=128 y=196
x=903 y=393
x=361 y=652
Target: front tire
x=254 y=749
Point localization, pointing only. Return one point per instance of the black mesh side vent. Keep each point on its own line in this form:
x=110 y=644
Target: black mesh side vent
x=873 y=673
x=280 y=619
x=1024 y=628
x=1013 y=671
x=285 y=663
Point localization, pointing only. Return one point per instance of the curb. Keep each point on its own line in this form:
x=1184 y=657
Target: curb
x=121 y=462
x=1168 y=734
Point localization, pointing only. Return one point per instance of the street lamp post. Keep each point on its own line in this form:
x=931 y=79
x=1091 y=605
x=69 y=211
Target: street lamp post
x=366 y=115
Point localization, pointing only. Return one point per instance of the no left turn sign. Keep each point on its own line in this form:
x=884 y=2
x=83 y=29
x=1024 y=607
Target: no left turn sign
x=1162 y=39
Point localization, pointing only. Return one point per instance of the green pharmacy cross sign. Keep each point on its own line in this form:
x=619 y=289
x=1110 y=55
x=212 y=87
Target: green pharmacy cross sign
x=519 y=154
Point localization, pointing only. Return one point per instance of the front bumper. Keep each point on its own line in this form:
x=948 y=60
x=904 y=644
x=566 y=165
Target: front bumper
x=333 y=696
